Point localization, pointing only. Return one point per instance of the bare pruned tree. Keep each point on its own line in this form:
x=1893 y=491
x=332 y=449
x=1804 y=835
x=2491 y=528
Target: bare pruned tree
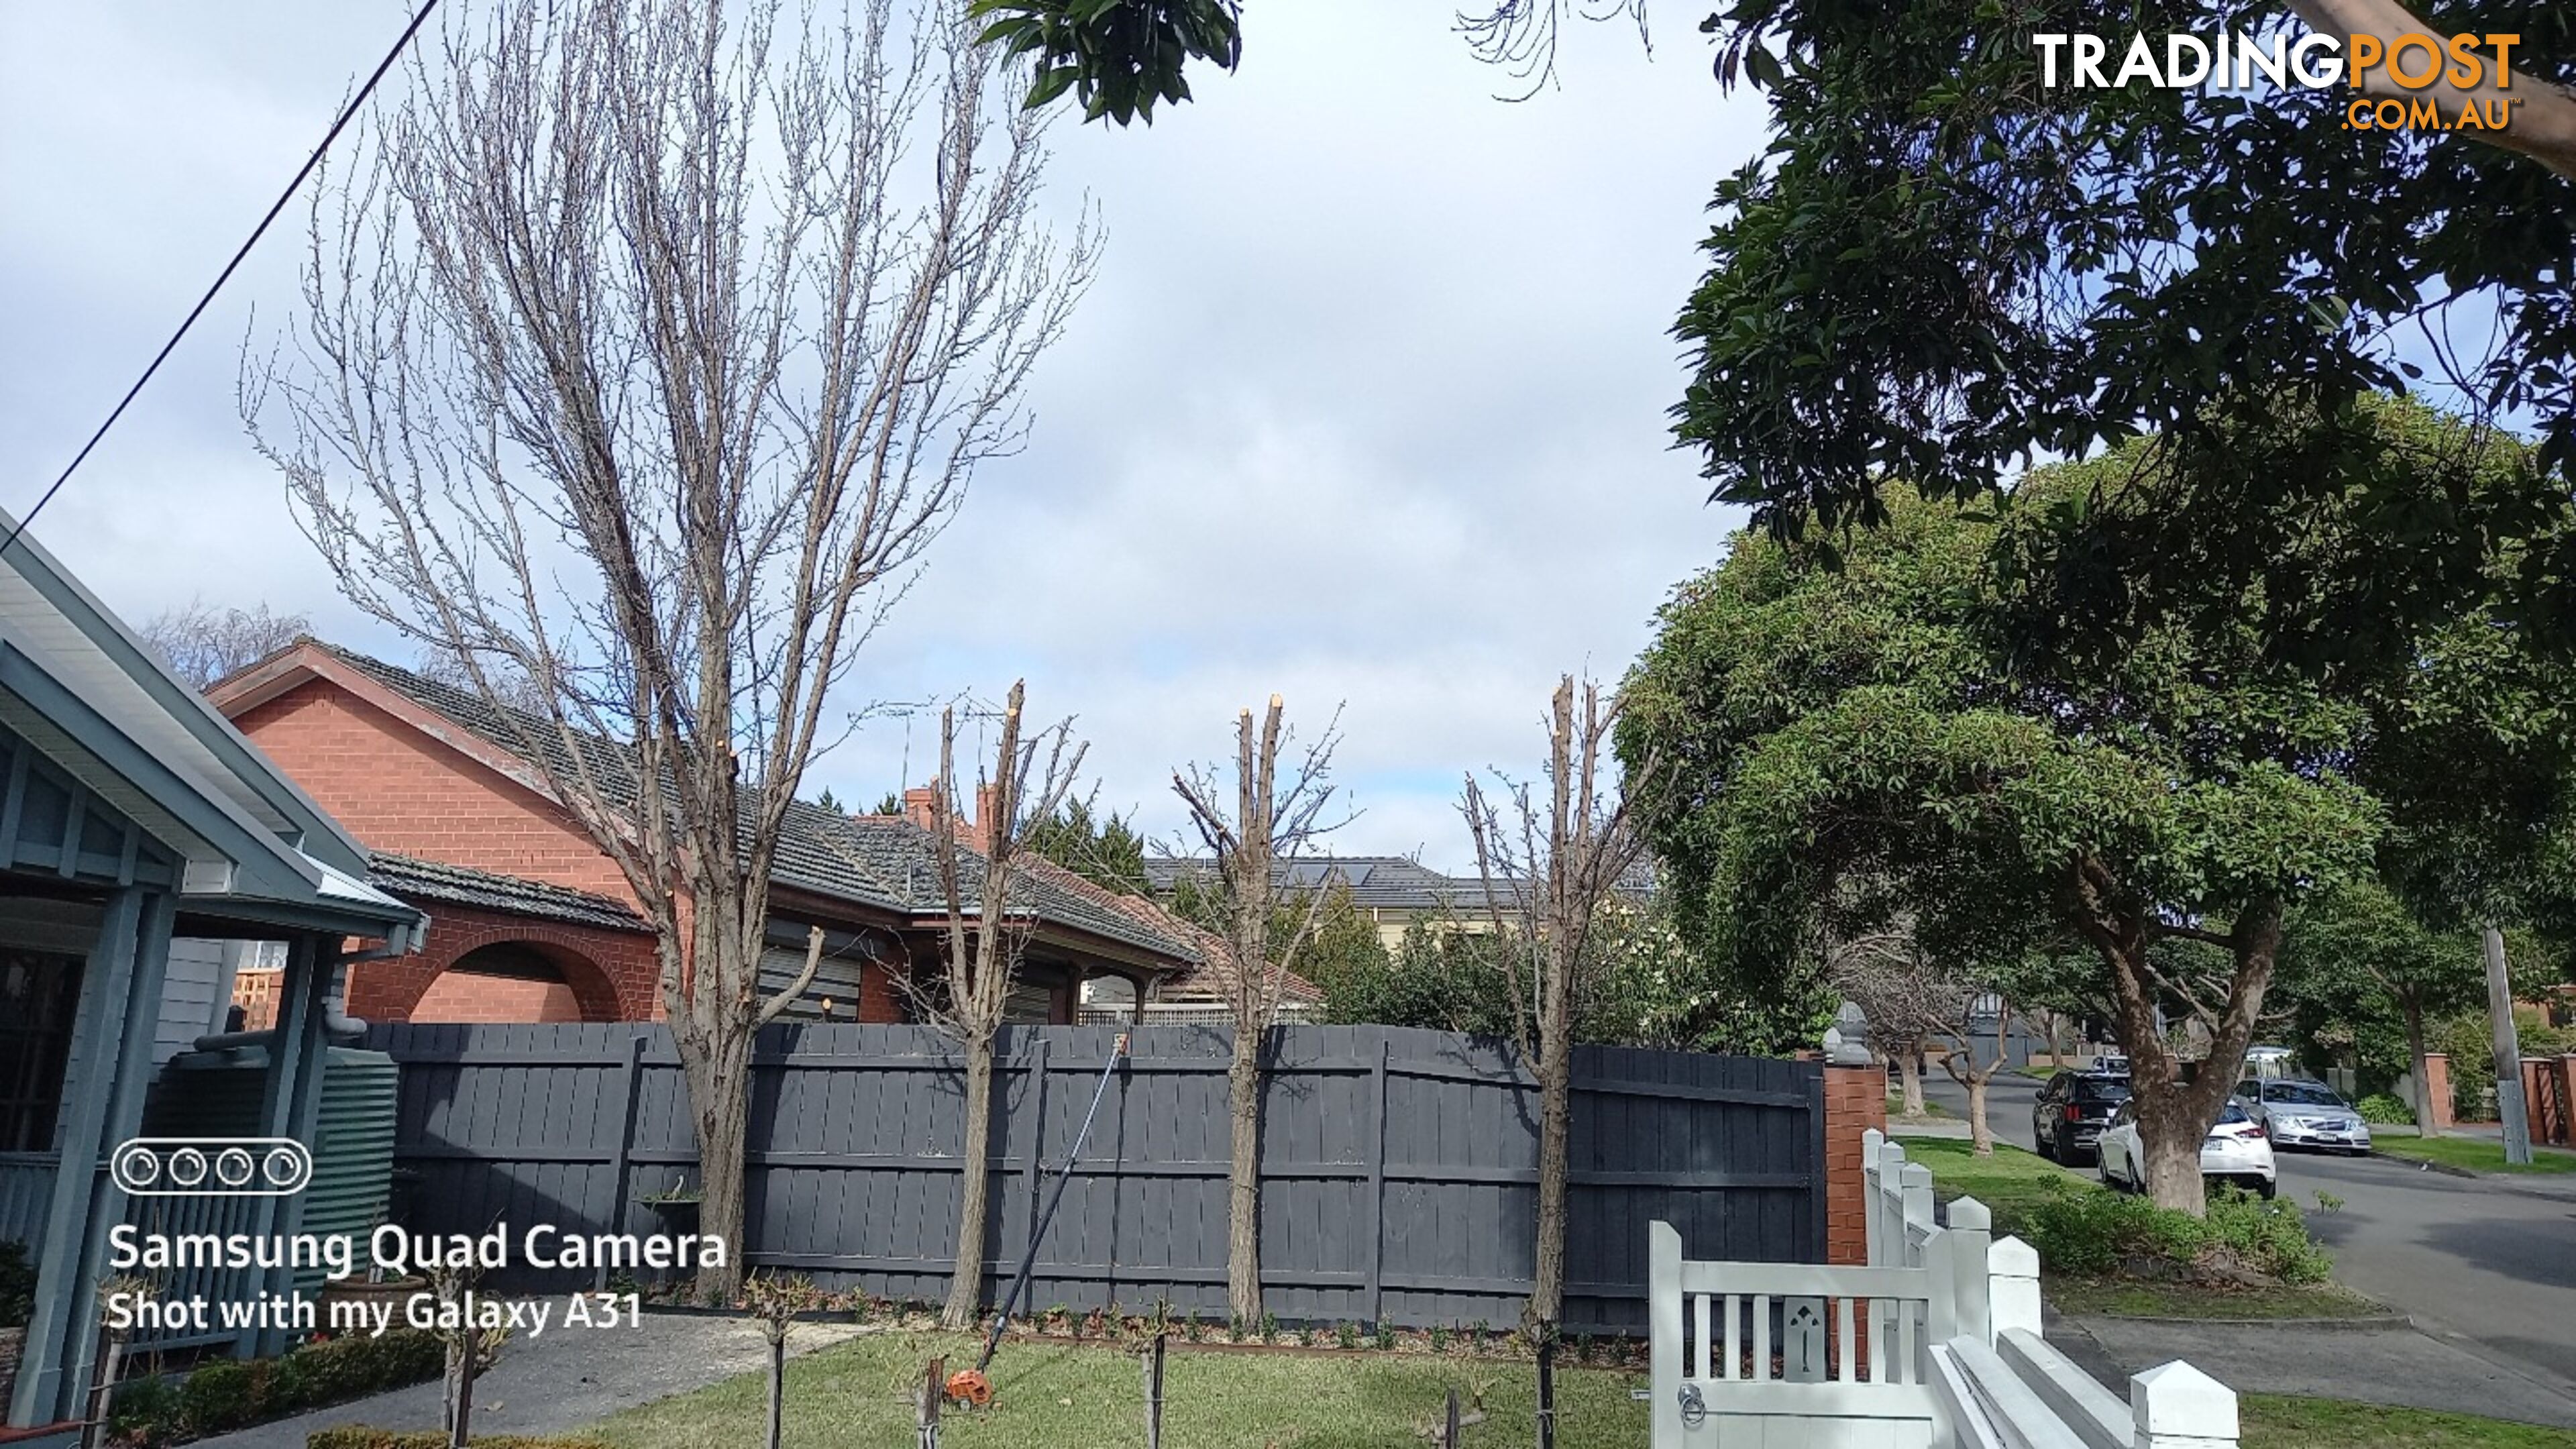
x=646 y=352
x=1270 y=820
x=1550 y=874
x=1032 y=775
x=1920 y=1003
x=202 y=643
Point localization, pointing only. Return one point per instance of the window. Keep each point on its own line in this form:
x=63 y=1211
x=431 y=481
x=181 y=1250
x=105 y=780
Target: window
x=39 y=994
x=2301 y=1094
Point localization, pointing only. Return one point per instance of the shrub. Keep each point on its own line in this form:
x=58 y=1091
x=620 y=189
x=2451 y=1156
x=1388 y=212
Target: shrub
x=359 y=1436
x=2383 y=1108
x=17 y=1286
x=2092 y=1233
x=145 y=1411
x=219 y=1396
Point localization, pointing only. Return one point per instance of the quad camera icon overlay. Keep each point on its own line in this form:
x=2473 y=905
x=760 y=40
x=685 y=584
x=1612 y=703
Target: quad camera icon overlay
x=212 y=1166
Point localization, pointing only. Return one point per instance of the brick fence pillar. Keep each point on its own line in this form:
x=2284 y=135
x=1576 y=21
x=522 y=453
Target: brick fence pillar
x=2437 y=1088
x=1855 y=1101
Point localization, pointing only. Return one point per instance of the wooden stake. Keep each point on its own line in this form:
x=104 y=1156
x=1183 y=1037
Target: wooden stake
x=934 y=1395
x=1547 y=1392
x=1449 y=1431
x=1154 y=1393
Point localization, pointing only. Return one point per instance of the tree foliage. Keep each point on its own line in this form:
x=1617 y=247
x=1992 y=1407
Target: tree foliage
x=1118 y=57
x=1104 y=849
x=1940 y=269
x=1904 y=717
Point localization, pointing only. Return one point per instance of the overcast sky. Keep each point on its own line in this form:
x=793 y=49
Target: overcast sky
x=1366 y=407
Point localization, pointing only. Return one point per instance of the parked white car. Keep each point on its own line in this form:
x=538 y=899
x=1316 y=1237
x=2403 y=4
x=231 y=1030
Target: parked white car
x=2236 y=1151
x=2297 y=1113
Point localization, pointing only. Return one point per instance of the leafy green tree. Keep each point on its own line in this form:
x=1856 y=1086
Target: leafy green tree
x=1118 y=57
x=2359 y=955
x=1834 y=724
x=1940 y=268
x=1104 y=850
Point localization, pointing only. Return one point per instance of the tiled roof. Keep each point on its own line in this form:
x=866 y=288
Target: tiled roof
x=882 y=861
x=1386 y=882
x=1376 y=882
x=462 y=885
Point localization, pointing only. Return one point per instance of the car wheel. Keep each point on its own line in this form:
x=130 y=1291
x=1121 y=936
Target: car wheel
x=2040 y=1143
x=2265 y=1188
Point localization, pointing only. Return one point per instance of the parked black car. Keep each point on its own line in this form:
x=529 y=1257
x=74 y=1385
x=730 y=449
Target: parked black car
x=2071 y=1111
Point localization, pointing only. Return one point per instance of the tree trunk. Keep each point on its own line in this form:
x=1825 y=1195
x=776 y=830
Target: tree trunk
x=1243 y=1178
x=2171 y=1140
x=1981 y=1138
x=966 y=1283
x=1556 y=1103
x=2427 y=1123
x=717 y=1063
x=1909 y=1075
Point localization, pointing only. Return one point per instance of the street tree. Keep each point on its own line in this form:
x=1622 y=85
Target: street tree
x=1270 y=815
x=1551 y=870
x=1853 y=722
x=202 y=643
x=643 y=356
x=2359 y=952
x=1941 y=268
x=1031 y=776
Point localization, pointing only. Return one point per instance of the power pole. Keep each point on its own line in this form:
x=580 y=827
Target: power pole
x=2508 y=1052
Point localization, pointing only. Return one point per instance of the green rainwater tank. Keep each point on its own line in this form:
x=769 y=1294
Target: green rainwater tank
x=217 y=1094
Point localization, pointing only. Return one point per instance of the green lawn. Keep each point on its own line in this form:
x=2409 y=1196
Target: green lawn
x=2167 y=1300
x=1931 y=1109
x=2006 y=1183
x=2475 y=1153
x=1059 y=1396
x=2272 y=1422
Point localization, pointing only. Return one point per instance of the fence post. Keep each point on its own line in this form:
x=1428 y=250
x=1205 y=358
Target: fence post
x=1871 y=1140
x=1971 y=1239
x=1375 y=1289
x=621 y=1176
x=1915 y=1212
x=1664 y=1330
x=2012 y=1287
x=1888 y=1202
x=1037 y=1158
x=2176 y=1406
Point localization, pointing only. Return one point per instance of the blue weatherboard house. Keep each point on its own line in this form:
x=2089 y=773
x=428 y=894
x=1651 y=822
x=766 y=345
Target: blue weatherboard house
x=146 y=852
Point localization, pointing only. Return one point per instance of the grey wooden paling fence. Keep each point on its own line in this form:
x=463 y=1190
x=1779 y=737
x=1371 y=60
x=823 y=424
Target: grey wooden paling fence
x=1399 y=1167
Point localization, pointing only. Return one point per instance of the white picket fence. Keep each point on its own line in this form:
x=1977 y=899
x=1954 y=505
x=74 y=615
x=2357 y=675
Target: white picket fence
x=1935 y=1343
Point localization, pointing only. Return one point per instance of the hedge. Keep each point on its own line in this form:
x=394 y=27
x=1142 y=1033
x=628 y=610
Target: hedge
x=230 y=1394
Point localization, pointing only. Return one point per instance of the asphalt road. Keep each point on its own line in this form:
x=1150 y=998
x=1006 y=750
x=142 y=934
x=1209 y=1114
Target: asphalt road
x=2487 y=1266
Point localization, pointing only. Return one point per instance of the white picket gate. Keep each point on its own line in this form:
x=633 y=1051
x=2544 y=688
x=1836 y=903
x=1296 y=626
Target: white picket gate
x=1934 y=1343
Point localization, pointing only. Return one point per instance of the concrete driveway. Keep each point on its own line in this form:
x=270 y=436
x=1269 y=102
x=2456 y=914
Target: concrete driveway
x=2486 y=1265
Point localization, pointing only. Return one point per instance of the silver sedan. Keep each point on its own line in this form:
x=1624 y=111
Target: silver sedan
x=2299 y=1113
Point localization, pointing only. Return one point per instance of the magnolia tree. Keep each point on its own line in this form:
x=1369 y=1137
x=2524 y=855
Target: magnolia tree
x=1271 y=818
x=641 y=360
x=1031 y=776
x=1551 y=870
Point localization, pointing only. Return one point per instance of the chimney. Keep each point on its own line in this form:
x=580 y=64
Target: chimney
x=921 y=807
x=988 y=803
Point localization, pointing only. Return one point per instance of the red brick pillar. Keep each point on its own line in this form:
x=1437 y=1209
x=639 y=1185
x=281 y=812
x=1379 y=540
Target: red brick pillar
x=1855 y=1101
x=2437 y=1087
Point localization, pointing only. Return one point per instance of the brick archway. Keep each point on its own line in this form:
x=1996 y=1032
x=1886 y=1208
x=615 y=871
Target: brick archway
x=612 y=975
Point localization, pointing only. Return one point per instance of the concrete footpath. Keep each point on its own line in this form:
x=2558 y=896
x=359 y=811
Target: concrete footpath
x=2398 y=1366
x=565 y=1379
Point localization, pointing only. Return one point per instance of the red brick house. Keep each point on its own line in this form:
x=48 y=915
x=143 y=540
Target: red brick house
x=529 y=921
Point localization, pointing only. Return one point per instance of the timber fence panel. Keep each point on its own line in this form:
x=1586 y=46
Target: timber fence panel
x=1399 y=1167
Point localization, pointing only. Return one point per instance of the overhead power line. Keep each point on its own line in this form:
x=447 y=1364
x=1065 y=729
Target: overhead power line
x=347 y=114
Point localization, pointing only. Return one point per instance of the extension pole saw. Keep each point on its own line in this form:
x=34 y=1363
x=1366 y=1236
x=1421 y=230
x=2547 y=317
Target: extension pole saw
x=970 y=1384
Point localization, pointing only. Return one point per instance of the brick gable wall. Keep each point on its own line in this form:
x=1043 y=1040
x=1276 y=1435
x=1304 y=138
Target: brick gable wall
x=398 y=790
